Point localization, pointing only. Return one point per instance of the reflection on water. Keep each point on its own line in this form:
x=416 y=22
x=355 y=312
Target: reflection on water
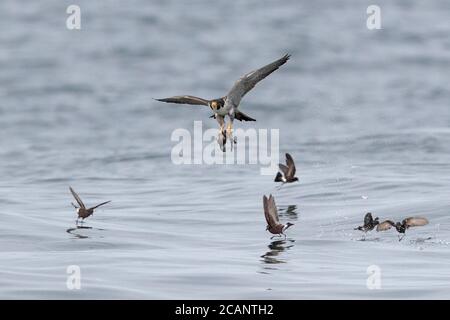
x=280 y=244
x=290 y=212
x=76 y=234
x=400 y=237
x=77 y=231
x=420 y=240
x=274 y=255
x=368 y=239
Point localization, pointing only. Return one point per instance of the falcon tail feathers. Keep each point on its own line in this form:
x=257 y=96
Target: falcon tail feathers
x=243 y=117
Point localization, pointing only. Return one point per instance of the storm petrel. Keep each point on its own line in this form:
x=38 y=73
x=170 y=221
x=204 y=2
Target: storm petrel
x=369 y=223
x=82 y=211
x=404 y=225
x=287 y=173
x=273 y=222
x=228 y=105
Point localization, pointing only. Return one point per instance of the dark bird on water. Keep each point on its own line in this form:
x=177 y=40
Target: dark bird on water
x=404 y=225
x=228 y=105
x=273 y=222
x=287 y=173
x=369 y=223
x=82 y=211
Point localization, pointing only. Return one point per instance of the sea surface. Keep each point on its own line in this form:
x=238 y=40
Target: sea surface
x=365 y=114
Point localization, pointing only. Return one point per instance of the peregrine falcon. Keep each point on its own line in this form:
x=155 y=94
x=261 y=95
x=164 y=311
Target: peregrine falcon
x=228 y=105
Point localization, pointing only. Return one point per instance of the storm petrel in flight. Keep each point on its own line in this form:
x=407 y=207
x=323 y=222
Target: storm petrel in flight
x=82 y=211
x=228 y=105
x=369 y=223
x=287 y=173
x=404 y=225
x=273 y=222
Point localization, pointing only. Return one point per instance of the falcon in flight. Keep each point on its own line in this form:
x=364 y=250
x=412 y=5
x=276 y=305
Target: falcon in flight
x=228 y=105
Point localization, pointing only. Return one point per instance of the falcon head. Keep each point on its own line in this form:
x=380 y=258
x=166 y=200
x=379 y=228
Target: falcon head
x=214 y=105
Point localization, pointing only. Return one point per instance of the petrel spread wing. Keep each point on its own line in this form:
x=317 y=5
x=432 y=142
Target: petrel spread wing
x=273 y=210
x=283 y=169
x=185 y=100
x=291 y=165
x=249 y=80
x=77 y=198
x=368 y=218
x=270 y=211
x=266 y=210
x=414 y=222
x=385 y=225
x=101 y=204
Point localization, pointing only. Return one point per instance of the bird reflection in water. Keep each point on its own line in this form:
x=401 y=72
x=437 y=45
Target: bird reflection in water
x=289 y=212
x=276 y=248
x=77 y=231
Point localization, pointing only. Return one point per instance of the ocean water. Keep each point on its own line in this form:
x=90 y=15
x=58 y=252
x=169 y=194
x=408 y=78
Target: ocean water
x=365 y=114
